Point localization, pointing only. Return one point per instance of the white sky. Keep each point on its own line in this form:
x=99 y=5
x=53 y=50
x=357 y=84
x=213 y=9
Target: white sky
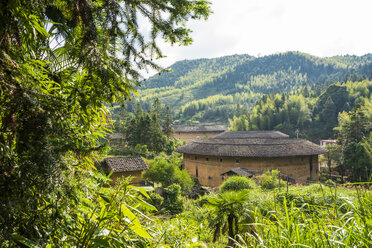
x=261 y=27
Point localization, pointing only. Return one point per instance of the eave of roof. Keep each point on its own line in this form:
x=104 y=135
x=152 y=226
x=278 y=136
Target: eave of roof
x=241 y=171
x=252 y=135
x=199 y=128
x=252 y=148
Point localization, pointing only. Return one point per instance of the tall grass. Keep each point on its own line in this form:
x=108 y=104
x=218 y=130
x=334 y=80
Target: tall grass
x=306 y=216
x=332 y=220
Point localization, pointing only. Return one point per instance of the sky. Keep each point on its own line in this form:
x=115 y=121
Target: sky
x=261 y=27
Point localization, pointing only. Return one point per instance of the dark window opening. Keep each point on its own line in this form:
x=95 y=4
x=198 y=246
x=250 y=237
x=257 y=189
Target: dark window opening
x=220 y=159
x=237 y=161
x=206 y=159
x=210 y=178
x=196 y=158
x=196 y=172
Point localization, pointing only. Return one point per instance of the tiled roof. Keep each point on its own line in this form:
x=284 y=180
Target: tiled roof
x=241 y=171
x=252 y=147
x=121 y=164
x=251 y=135
x=199 y=128
x=116 y=136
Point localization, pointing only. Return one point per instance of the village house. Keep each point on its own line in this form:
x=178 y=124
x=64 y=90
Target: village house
x=125 y=167
x=210 y=160
x=196 y=132
x=323 y=143
x=323 y=163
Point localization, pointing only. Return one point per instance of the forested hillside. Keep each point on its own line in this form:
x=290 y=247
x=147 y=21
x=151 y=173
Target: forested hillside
x=209 y=90
x=312 y=115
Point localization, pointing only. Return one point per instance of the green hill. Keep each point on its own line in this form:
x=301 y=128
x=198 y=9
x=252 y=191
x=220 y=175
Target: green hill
x=209 y=90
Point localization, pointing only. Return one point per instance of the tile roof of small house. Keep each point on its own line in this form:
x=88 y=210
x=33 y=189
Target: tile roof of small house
x=251 y=135
x=116 y=136
x=121 y=164
x=241 y=171
x=198 y=128
x=252 y=147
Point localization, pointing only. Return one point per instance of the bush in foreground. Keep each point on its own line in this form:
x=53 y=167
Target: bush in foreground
x=237 y=183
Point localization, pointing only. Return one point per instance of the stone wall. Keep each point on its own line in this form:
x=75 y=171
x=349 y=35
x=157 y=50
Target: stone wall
x=208 y=169
x=193 y=136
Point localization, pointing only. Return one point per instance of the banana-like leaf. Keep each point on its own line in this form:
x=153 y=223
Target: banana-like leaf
x=134 y=223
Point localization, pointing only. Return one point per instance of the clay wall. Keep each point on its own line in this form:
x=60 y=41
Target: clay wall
x=208 y=169
x=136 y=177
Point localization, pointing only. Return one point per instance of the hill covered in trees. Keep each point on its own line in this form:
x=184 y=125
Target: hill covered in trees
x=213 y=90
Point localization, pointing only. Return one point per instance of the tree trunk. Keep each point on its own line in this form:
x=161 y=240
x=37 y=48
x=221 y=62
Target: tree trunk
x=230 y=221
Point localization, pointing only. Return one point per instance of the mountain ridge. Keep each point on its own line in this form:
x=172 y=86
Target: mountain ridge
x=208 y=90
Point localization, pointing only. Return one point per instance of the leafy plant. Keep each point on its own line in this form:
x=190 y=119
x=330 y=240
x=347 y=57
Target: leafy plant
x=237 y=183
x=228 y=210
x=270 y=180
x=168 y=172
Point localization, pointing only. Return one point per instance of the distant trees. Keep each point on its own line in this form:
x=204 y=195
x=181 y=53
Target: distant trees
x=147 y=128
x=192 y=84
x=354 y=137
x=313 y=116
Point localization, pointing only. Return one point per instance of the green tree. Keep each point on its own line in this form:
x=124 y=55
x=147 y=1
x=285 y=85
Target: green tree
x=60 y=62
x=156 y=140
x=167 y=173
x=357 y=161
x=333 y=157
x=353 y=132
x=168 y=123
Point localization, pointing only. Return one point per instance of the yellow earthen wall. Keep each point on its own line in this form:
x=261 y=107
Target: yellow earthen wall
x=209 y=171
x=136 y=177
x=190 y=137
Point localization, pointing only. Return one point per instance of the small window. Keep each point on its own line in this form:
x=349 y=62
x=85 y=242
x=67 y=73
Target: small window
x=221 y=160
x=206 y=159
x=196 y=158
x=237 y=161
x=209 y=178
x=196 y=172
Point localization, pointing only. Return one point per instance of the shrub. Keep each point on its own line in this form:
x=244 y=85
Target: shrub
x=172 y=202
x=236 y=183
x=168 y=172
x=270 y=180
x=156 y=200
x=330 y=183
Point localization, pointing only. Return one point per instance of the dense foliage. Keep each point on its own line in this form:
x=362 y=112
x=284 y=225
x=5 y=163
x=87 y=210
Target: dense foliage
x=60 y=62
x=314 y=117
x=307 y=216
x=144 y=133
x=167 y=171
